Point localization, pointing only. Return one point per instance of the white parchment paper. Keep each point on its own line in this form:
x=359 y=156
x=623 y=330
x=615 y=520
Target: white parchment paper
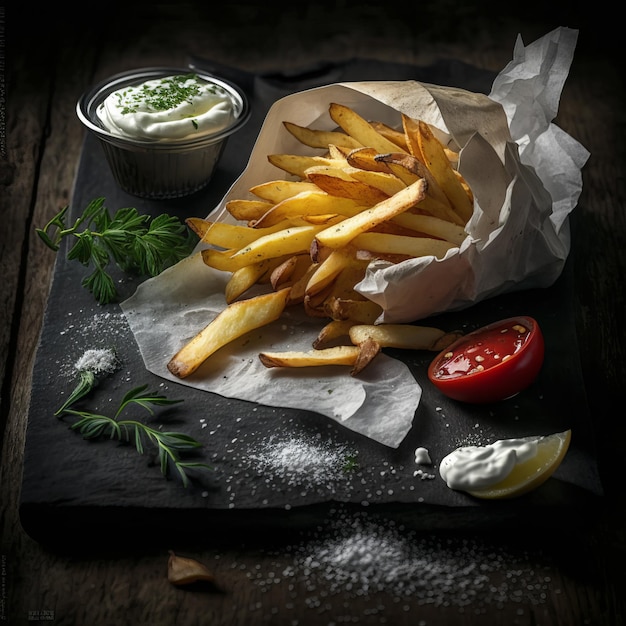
x=525 y=173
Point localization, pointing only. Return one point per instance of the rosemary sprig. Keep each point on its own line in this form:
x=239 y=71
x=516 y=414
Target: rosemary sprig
x=136 y=243
x=170 y=445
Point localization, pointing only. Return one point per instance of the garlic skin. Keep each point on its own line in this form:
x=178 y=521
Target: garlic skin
x=184 y=571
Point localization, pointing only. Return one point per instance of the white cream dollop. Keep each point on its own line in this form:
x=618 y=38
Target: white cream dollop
x=478 y=467
x=169 y=108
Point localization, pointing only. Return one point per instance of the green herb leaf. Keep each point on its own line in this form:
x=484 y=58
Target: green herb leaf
x=136 y=243
x=170 y=445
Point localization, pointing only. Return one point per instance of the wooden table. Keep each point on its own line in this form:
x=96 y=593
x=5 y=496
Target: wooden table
x=51 y=55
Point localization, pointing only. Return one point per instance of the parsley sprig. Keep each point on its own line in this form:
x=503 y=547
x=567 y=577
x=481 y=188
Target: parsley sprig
x=136 y=243
x=170 y=445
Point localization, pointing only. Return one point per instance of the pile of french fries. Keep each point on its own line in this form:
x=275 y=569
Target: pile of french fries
x=371 y=192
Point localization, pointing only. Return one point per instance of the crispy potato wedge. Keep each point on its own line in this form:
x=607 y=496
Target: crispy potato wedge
x=234 y=321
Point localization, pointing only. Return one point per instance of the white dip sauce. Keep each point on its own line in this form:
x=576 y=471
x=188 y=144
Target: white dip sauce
x=478 y=467
x=169 y=108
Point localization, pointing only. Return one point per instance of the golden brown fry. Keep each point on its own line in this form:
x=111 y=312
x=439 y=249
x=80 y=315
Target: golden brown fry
x=405 y=165
x=387 y=182
x=245 y=277
x=335 y=329
x=439 y=164
x=234 y=321
x=330 y=268
x=363 y=311
x=365 y=159
x=308 y=203
x=342 y=233
x=411 y=135
x=432 y=226
x=360 y=129
x=320 y=138
x=337 y=355
x=247 y=210
x=368 y=349
x=276 y=191
x=383 y=243
x=297 y=165
x=395 y=136
x=290 y=270
x=404 y=336
x=233 y=236
x=340 y=184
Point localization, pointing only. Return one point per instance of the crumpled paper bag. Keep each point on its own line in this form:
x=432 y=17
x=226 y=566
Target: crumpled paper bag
x=525 y=173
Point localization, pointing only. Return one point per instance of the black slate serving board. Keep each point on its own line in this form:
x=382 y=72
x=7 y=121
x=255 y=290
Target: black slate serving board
x=73 y=487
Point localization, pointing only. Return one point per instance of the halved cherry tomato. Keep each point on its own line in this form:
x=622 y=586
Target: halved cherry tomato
x=492 y=363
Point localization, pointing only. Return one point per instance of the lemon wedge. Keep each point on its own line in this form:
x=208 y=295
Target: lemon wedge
x=528 y=475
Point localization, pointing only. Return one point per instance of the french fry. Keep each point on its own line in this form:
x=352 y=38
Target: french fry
x=365 y=159
x=320 y=138
x=384 y=243
x=335 y=329
x=289 y=271
x=336 y=182
x=246 y=277
x=432 y=226
x=247 y=210
x=234 y=236
x=234 y=321
x=395 y=136
x=276 y=191
x=297 y=164
x=337 y=355
x=329 y=269
x=360 y=129
x=404 y=336
x=293 y=240
x=438 y=163
x=375 y=193
x=342 y=233
x=363 y=311
x=308 y=203
x=387 y=182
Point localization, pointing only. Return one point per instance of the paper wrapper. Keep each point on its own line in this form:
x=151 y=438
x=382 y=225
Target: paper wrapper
x=525 y=173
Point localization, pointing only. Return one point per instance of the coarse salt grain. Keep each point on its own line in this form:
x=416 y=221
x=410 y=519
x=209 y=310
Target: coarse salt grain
x=97 y=361
x=359 y=555
x=302 y=462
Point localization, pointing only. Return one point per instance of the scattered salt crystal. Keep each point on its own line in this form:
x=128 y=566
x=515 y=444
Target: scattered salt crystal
x=302 y=462
x=97 y=361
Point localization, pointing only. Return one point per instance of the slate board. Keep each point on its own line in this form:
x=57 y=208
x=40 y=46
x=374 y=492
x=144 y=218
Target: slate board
x=73 y=487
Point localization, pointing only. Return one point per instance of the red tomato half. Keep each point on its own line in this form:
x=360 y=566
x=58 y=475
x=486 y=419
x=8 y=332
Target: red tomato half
x=492 y=363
